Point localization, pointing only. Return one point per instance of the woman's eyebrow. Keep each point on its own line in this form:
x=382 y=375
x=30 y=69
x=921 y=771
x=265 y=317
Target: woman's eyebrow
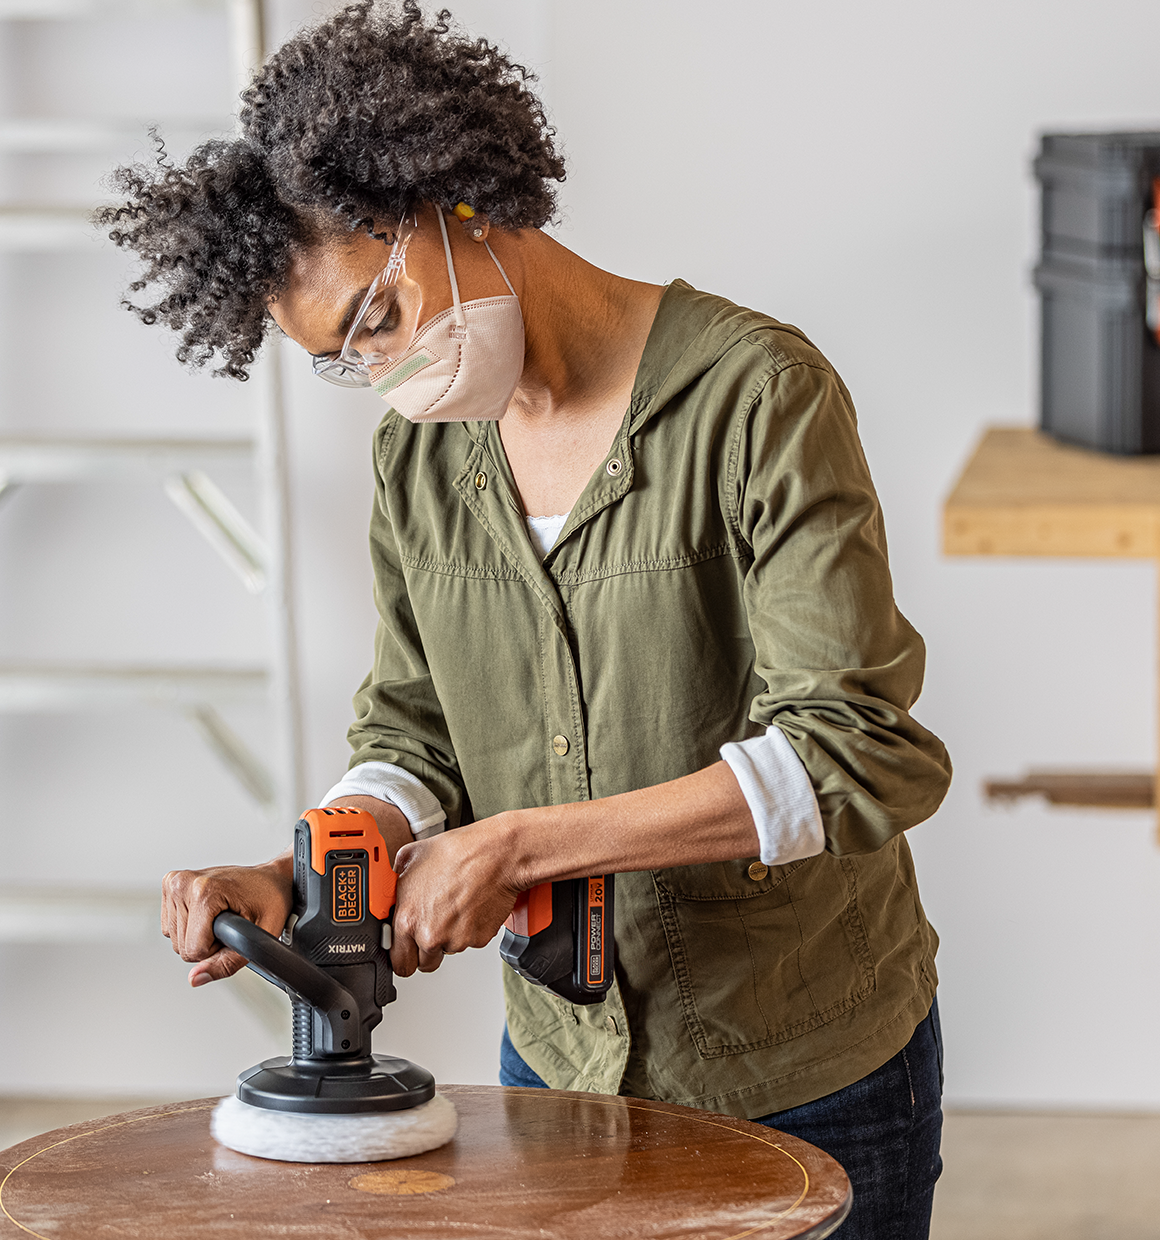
x=356 y=300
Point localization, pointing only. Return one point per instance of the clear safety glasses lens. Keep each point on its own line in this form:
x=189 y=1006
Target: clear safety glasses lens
x=383 y=327
x=342 y=373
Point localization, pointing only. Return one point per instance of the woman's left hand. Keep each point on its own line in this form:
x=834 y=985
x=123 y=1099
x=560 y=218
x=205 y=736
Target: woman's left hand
x=455 y=891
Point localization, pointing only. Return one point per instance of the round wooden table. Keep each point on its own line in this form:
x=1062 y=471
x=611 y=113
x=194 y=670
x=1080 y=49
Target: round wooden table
x=526 y=1163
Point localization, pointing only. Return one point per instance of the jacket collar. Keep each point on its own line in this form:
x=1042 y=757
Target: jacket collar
x=691 y=332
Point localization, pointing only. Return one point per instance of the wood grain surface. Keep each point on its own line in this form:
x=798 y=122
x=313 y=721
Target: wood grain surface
x=1023 y=493
x=526 y=1163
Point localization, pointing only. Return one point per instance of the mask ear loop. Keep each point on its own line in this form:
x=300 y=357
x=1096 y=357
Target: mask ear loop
x=501 y=270
x=460 y=332
x=460 y=320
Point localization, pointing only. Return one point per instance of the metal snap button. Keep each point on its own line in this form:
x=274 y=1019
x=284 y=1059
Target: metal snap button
x=480 y=481
x=560 y=745
x=614 y=466
x=757 y=871
x=610 y=1023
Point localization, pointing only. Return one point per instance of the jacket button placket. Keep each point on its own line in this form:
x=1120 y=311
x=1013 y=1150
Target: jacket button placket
x=565 y=740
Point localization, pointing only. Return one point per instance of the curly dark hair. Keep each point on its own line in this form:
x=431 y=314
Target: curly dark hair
x=351 y=125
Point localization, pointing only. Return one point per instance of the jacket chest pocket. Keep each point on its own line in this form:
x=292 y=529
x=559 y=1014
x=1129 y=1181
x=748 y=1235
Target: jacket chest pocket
x=759 y=963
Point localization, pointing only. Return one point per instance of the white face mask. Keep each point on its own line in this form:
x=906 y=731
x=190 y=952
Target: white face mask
x=462 y=366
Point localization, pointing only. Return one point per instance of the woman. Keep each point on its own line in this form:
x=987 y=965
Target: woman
x=636 y=615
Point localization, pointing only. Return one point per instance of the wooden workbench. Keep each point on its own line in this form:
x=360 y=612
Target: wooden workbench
x=1023 y=493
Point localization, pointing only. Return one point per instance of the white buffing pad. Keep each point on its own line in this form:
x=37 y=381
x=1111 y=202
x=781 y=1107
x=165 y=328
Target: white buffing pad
x=291 y=1137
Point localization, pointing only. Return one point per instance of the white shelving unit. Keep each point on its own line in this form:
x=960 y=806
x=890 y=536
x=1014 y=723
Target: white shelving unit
x=184 y=468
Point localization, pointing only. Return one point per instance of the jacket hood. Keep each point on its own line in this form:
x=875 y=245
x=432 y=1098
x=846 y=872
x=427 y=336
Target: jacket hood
x=691 y=332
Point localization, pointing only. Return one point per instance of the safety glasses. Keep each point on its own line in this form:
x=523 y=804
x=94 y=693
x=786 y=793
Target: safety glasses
x=383 y=326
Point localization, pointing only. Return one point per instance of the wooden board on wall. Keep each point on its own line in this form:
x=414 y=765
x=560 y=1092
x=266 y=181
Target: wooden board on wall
x=1023 y=493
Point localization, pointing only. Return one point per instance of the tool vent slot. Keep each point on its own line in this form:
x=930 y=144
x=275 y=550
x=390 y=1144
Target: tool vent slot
x=302 y=1036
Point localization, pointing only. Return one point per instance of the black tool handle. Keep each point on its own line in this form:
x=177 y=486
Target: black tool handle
x=277 y=963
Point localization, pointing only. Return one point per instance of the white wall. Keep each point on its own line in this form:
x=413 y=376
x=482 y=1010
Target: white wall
x=860 y=170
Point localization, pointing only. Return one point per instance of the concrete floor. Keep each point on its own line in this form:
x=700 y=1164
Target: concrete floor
x=1049 y=1177
x=1007 y=1177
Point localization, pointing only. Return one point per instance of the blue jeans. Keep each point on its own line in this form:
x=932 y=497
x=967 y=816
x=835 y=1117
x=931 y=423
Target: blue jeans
x=884 y=1130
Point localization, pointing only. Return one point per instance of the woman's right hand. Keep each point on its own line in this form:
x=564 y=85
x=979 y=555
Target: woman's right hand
x=191 y=899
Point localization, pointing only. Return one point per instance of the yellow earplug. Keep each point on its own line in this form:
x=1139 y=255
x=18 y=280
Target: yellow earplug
x=475 y=223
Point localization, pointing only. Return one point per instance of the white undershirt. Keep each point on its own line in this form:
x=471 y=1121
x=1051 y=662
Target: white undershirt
x=773 y=780
x=545 y=531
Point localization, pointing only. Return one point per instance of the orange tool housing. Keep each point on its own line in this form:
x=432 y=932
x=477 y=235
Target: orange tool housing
x=342 y=827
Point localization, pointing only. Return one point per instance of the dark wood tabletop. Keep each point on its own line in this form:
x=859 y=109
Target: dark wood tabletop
x=525 y=1163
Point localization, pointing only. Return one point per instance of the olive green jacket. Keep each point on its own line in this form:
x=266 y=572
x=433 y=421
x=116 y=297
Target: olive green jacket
x=724 y=570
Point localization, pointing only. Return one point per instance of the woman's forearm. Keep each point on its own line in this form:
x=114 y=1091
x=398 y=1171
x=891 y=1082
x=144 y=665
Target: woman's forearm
x=698 y=818
x=456 y=889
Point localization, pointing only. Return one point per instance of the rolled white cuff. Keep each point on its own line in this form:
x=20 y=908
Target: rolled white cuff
x=779 y=795
x=391 y=783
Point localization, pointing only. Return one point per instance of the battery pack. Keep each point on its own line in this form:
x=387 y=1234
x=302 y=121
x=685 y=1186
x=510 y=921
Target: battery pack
x=560 y=936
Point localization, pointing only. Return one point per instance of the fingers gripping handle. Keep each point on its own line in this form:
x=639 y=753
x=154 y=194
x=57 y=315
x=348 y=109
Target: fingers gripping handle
x=272 y=959
x=278 y=964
